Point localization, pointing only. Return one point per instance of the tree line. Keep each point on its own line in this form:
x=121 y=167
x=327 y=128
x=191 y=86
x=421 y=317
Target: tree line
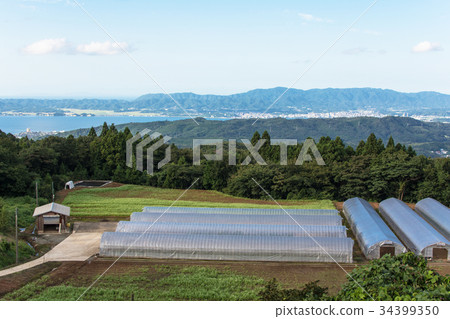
x=373 y=170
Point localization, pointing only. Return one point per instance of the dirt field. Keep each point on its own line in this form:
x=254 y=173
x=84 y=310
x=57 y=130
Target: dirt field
x=290 y=275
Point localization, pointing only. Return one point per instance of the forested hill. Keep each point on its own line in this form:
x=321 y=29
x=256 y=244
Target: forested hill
x=424 y=137
x=294 y=101
x=315 y=100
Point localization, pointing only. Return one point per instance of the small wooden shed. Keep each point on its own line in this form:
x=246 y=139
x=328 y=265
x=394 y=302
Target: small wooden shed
x=51 y=216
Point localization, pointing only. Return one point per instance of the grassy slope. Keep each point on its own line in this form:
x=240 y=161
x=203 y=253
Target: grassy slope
x=123 y=200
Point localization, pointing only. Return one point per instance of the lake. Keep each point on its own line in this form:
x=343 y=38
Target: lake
x=17 y=124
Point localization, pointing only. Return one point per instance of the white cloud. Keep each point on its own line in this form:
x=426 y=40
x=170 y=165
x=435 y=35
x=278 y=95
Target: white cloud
x=47 y=46
x=427 y=46
x=61 y=46
x=310 y=18
x=102 y=48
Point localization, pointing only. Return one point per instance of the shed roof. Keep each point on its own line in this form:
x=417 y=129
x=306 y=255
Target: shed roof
x=52 y=208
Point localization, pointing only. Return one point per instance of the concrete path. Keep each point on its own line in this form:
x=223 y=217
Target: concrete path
x=80 y=246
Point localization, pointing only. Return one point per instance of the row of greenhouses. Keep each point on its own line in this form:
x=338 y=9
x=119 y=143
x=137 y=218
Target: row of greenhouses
x=399 y=228
x=311 y=235
x=231 y=234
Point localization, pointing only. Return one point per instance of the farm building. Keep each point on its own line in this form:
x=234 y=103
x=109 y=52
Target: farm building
x=233 y=229
x=218 y=218
x=235 y=235
x=246 y=211
x=51 y=217
x=418 y=236
x=373 y=235
x=436 y=214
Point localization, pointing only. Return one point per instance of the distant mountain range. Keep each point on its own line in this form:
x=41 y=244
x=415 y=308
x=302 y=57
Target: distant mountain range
x=425 y=137
x=250 y=104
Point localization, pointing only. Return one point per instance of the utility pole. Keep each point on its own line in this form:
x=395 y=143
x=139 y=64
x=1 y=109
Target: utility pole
x=17 y=242
x=53 y=193
x=37 y=202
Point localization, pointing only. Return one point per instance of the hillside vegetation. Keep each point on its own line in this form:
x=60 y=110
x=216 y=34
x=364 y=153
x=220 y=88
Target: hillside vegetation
x=373 y=170
x=124 y=200
x=423 y=136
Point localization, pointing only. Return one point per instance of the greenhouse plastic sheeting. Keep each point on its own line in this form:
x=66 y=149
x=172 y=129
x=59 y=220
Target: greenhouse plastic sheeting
x=370 y=230
x=436 y=214
x=419 y=236
x=244 y=211
x=332 y=220
x=232 y=229
x=226 y=247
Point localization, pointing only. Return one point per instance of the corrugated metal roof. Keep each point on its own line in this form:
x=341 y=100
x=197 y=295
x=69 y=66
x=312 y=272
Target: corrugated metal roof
x=412 y=229
x=370 y=230
x=436 y=214
x=52 y=208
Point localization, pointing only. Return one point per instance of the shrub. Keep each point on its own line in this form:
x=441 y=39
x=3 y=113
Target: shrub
x=402 y=277
x=311 y=291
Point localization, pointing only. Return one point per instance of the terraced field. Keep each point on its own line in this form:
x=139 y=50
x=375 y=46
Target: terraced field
x=122 y=200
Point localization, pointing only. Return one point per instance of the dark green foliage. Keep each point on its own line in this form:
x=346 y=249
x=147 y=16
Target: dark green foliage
x=243 y=184
x=403 y=277
x=311 y=292
x=25 y=207
x=424 y=137
x=8 y=252
x=373 y=171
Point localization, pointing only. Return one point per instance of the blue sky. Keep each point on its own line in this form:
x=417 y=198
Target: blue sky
x=51 y=48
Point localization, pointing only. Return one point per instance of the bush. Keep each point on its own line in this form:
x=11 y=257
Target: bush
x=311 y=292
x=8 y=252
x=402 y=277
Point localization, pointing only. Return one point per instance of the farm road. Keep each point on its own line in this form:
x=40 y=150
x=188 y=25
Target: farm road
x=83 y=243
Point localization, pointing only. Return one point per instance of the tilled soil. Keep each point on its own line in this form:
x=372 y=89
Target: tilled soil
x=290 y=275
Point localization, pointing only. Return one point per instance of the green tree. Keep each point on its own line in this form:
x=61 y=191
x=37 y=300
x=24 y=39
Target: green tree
x=255 y=138
x=92 y=132
x=105 y=129
x=373 y=146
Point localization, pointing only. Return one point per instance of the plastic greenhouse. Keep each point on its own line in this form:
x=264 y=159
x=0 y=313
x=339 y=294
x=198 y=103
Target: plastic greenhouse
x=245 y=211
x=373 y=235
x=436 y=214
x=419 y=236
x=232 y=229
x=226 y=247
x=169 y=217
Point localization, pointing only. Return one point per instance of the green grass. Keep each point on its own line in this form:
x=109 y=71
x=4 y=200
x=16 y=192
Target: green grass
x=25 y=206
x=8 y=252
x=123 y=200
x=155 y=283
